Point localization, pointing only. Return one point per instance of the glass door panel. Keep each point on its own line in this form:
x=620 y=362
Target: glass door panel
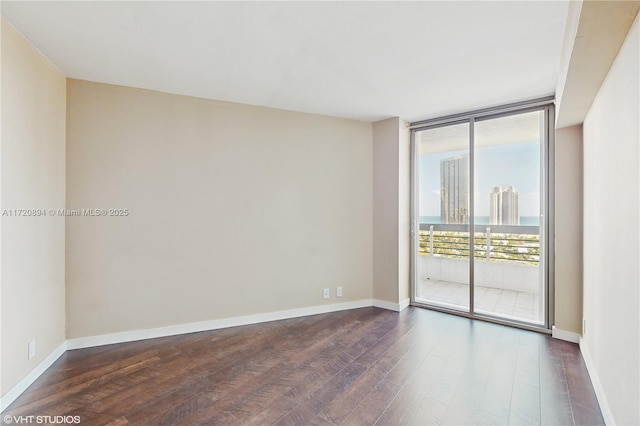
x=442 y=263
x=508 y=270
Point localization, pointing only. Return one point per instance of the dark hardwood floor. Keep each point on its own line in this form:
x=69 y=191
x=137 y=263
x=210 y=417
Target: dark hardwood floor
x=359 y=367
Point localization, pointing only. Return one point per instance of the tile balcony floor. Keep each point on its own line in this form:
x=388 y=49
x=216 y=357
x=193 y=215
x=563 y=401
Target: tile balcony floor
x=495 y=301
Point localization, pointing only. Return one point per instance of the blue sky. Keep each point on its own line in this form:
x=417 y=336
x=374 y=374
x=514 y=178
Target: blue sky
x=499 y=165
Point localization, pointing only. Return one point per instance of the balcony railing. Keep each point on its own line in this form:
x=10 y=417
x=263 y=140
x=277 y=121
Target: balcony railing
x=499 y=243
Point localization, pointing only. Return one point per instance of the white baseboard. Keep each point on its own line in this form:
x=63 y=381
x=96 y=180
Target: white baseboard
x=172 y=330
x=597 y=385
x=569 y=336
x=405 y=304
x=397 y=307
x=13 y=393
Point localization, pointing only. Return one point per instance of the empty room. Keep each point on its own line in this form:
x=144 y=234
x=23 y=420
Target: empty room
x=320 y=212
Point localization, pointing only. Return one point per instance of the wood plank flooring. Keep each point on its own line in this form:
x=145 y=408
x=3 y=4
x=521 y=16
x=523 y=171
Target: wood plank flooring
x=359 y=367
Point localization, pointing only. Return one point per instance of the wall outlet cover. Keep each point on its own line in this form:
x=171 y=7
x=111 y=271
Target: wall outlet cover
x=326 y=293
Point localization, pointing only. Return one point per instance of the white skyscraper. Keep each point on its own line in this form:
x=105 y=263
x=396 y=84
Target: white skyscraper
x=504 y=206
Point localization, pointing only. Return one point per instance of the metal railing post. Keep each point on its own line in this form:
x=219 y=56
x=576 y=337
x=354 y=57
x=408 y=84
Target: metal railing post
x=488 y=243
x=431 y=240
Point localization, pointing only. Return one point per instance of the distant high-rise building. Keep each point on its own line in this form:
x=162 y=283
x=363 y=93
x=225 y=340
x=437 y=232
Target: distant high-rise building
x=504 y=208
x=454 y=189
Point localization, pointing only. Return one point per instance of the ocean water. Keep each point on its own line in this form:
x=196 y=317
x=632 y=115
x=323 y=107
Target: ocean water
x=484 y=220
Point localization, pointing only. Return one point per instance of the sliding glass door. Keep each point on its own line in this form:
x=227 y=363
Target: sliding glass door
x=508 y=271
x=443 y=176
x=480 y=208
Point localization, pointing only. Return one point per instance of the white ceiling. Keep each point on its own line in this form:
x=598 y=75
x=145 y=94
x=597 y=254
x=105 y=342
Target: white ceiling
x=362 y=60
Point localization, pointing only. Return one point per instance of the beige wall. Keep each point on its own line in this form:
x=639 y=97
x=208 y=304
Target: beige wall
x=568 y=233
x=391 y=162
x=234 y=209
x=404 y=218
x=612 y=235
x=385 y=210
x=33 y=177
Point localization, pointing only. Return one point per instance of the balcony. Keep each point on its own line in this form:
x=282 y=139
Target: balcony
x=506 y=269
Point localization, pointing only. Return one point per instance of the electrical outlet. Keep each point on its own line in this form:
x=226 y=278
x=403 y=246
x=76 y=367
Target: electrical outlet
x=339 y=292
x=32 y=349
x=584 y=326
x=326 y=293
